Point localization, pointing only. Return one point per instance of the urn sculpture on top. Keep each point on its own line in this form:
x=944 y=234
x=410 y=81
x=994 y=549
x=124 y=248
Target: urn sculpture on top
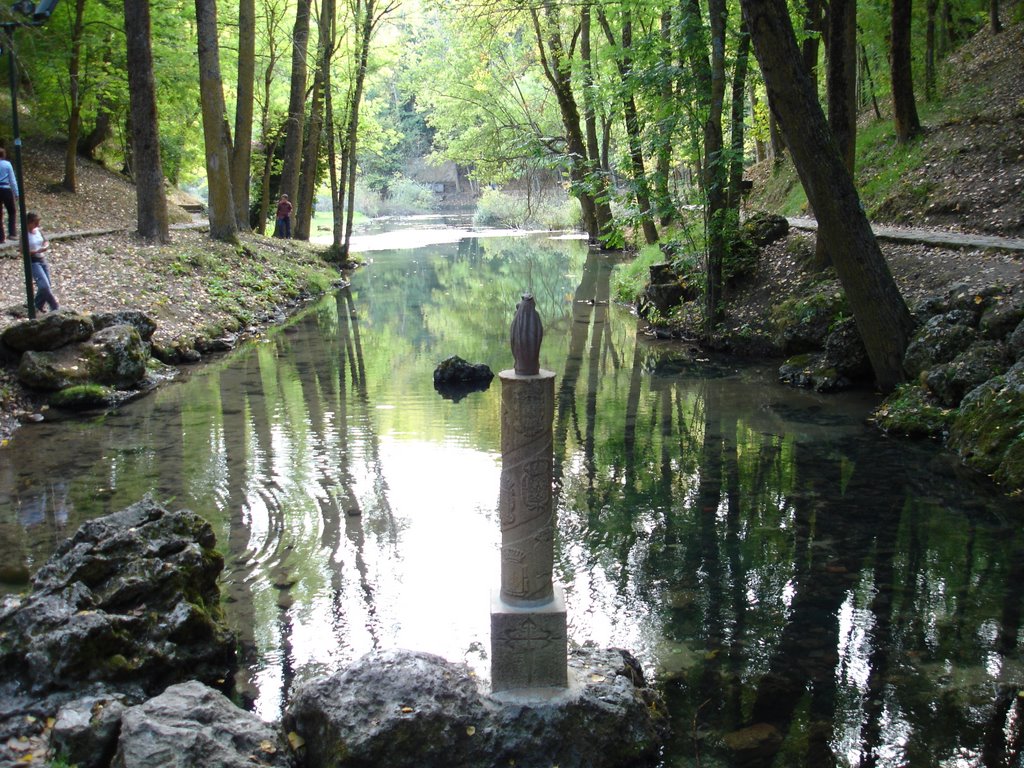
x=527 y=334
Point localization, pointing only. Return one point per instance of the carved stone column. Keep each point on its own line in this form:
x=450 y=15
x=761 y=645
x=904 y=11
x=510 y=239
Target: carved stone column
x=528 y=621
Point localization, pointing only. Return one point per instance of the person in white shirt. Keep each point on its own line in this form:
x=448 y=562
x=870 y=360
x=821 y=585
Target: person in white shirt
x=38 y=245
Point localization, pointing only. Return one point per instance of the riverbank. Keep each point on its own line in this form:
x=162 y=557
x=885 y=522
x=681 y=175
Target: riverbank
x=196 y=290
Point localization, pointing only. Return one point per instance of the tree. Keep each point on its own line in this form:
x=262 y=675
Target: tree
x=841 y=89
x=241 y=158
x=272 y=19
x=588 y=186
x=841 y=77
x=149 y=177
x=814 y=24
x=223 y=225
x=70 y=182
x=295 y=126
x=882 y=317
x=632 y=122
x=709 y=86
x=311 y=151
x=904 y=109
x=367 y=15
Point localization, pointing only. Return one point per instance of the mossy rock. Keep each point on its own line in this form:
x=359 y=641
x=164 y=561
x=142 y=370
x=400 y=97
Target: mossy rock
x=761 y=228
x=802 y=323
x=83 y=397
x=989 y=426
x=910 y=411
x=975 y=365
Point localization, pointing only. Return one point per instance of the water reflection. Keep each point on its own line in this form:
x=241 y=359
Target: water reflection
x=808 y=592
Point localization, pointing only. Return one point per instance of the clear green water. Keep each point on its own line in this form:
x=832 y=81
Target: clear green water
x=769 y=558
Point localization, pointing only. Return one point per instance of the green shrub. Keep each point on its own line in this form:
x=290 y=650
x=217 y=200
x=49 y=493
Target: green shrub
x=511 y=210
x=407 y=197
x=629 y=280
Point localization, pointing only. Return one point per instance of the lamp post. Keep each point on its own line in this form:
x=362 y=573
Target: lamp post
x=36 y=14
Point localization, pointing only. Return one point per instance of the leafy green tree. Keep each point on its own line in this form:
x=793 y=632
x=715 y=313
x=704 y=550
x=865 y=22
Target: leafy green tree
x=882 y=317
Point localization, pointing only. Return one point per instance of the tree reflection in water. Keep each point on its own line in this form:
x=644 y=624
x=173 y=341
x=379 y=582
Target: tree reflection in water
x=781 y=568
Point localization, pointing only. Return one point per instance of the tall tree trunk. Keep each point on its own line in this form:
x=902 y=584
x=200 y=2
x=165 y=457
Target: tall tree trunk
x=269 y=143
x=145 y=138
x=594 y=163
x=931 y=8
x=295 y=126
x=332 y=167
x=587 y=186
x=70 y=182
x=241 y=158
x=993 y=17
x=904 y=109
x=870 y=81
x=814 y=25
x=737 y=133
x=632 y=123
x=882 y=317
x=841 y=87
x=664 y=206
x=215 y=130
x=314 y=133
x=760 y=148
x=710 y=88
x=366 y=26
x=841 y=78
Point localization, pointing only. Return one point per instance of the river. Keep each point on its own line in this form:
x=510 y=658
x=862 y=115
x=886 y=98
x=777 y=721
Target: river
x=768 y=557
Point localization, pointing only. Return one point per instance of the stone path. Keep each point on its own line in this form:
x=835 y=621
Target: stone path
x=882 y=231
x=12 y=243
x=929 y=236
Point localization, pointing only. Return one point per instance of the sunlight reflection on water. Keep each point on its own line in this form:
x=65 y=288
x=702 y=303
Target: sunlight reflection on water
x=763 y=553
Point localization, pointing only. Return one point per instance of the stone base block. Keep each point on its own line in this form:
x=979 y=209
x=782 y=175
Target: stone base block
x=528 y=645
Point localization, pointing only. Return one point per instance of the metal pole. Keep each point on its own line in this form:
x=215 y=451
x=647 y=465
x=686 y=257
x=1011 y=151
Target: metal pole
x=23 y=233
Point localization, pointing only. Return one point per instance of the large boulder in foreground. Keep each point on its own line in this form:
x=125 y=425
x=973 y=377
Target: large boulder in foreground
x=131 y=600
x=407 y=709
x=114 y=356
x=190 y=725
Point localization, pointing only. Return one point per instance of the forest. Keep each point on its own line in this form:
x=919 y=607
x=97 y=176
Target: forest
x=645 y=112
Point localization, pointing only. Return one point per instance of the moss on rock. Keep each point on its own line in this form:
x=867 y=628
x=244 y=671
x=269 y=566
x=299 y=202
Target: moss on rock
x=989 y=427
x=910 y=411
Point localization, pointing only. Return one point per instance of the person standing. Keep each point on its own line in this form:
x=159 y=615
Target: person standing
x=38 y=245
x=284 y=218
x=8 y=195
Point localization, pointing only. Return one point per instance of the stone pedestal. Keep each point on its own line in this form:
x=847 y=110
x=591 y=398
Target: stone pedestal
x=528 y=645
x=528 y=626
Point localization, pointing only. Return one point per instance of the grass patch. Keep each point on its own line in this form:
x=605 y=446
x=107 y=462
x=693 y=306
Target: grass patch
x=629 y=280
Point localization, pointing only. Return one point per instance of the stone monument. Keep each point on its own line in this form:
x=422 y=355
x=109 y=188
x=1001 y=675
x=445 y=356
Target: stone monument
x=528 y=623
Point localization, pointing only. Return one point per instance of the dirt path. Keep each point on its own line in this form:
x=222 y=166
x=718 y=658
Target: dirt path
x=928 y=236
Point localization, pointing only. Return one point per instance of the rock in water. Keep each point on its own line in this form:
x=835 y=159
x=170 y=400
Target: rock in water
x=409 y=709
x=131 y=600
x=454 y=378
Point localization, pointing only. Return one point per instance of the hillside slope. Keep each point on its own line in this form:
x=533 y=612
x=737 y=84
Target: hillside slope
x=965 y=173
